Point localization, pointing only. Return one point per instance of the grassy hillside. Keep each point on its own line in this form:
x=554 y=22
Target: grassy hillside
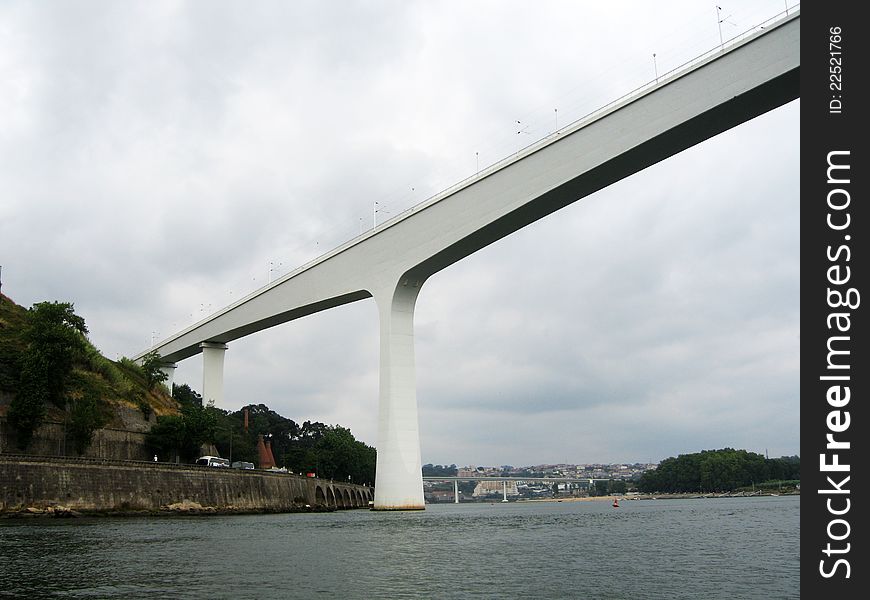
x=12 y=319
x=117 y=383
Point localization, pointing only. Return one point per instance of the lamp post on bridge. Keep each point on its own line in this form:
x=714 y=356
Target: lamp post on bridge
x=375 y=211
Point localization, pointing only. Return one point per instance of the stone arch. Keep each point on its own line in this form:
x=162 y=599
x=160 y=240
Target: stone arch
x=319 y=496
x=330 y=497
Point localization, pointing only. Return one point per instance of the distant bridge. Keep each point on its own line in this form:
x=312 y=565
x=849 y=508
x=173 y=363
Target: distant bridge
x=535 y=479
x=505 y=480
x=717 y=91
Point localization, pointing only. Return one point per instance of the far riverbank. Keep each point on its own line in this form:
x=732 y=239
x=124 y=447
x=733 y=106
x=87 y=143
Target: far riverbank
x=659 y=497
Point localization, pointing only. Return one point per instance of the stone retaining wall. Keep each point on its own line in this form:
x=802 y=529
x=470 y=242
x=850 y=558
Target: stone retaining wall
x=50 y=440
x=94 y=485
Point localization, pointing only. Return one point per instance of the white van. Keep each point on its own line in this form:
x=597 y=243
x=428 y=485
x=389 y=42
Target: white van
x=212 y=461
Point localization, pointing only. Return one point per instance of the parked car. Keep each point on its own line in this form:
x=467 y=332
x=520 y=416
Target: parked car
x=212 y=461
x=241 y=464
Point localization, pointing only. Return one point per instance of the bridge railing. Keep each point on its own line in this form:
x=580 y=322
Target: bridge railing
x=579 y=123
x=589 y=117
x=541 y=142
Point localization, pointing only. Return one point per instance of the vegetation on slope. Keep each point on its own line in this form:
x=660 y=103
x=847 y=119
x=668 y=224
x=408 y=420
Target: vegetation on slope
x=329 y=451
x=723 y=470
x=52 y=371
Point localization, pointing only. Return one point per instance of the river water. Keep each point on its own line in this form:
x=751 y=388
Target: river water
x=734 y=548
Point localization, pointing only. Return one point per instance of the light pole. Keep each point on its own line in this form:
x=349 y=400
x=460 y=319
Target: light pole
x=721 y=20
x=231 y=446
x=65 y=419
x=273 y=268
x=376 y=210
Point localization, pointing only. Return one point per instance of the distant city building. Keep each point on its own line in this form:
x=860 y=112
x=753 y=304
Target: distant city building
x=492 y=488
x=439 y=496
x=579 y=471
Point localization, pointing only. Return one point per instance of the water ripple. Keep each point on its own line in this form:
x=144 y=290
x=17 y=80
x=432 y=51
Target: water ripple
x=715 y=548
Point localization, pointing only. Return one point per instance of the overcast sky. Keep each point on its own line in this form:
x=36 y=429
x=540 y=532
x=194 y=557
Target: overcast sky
x=159 y=160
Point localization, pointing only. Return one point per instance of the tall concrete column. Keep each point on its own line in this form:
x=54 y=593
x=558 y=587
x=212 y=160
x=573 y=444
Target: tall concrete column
x=213 y=372
x=456 y=491
x=168 y=369
x=399 y=477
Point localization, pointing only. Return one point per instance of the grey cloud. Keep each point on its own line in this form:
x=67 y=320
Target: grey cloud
x=155 y=157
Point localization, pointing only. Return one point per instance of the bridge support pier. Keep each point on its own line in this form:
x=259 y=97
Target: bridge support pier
x=455 y=491
x=399 y=477
x=213 y=372
x=168 y=369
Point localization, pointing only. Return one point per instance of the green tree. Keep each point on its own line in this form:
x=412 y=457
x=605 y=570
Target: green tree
x=600 y=488
x=784 y=468
x=56 y=335
x=27 y=409
x=341 y=456
x=200 y=423
x=331 y=452
x=86 y=416
x=466 y=488
x=184 y=394
x=168 y=438
x=618 y=486
x=714 y=471
x=183 y=435
x=430 y=470
x=54 y=338
x=151 y=366
x=287 y=437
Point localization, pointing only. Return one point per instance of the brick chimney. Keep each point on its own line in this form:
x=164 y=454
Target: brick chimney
x=265 y=454
x=269 y=451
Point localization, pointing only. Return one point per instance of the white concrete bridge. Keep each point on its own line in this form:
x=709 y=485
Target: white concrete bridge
x=724 y=88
